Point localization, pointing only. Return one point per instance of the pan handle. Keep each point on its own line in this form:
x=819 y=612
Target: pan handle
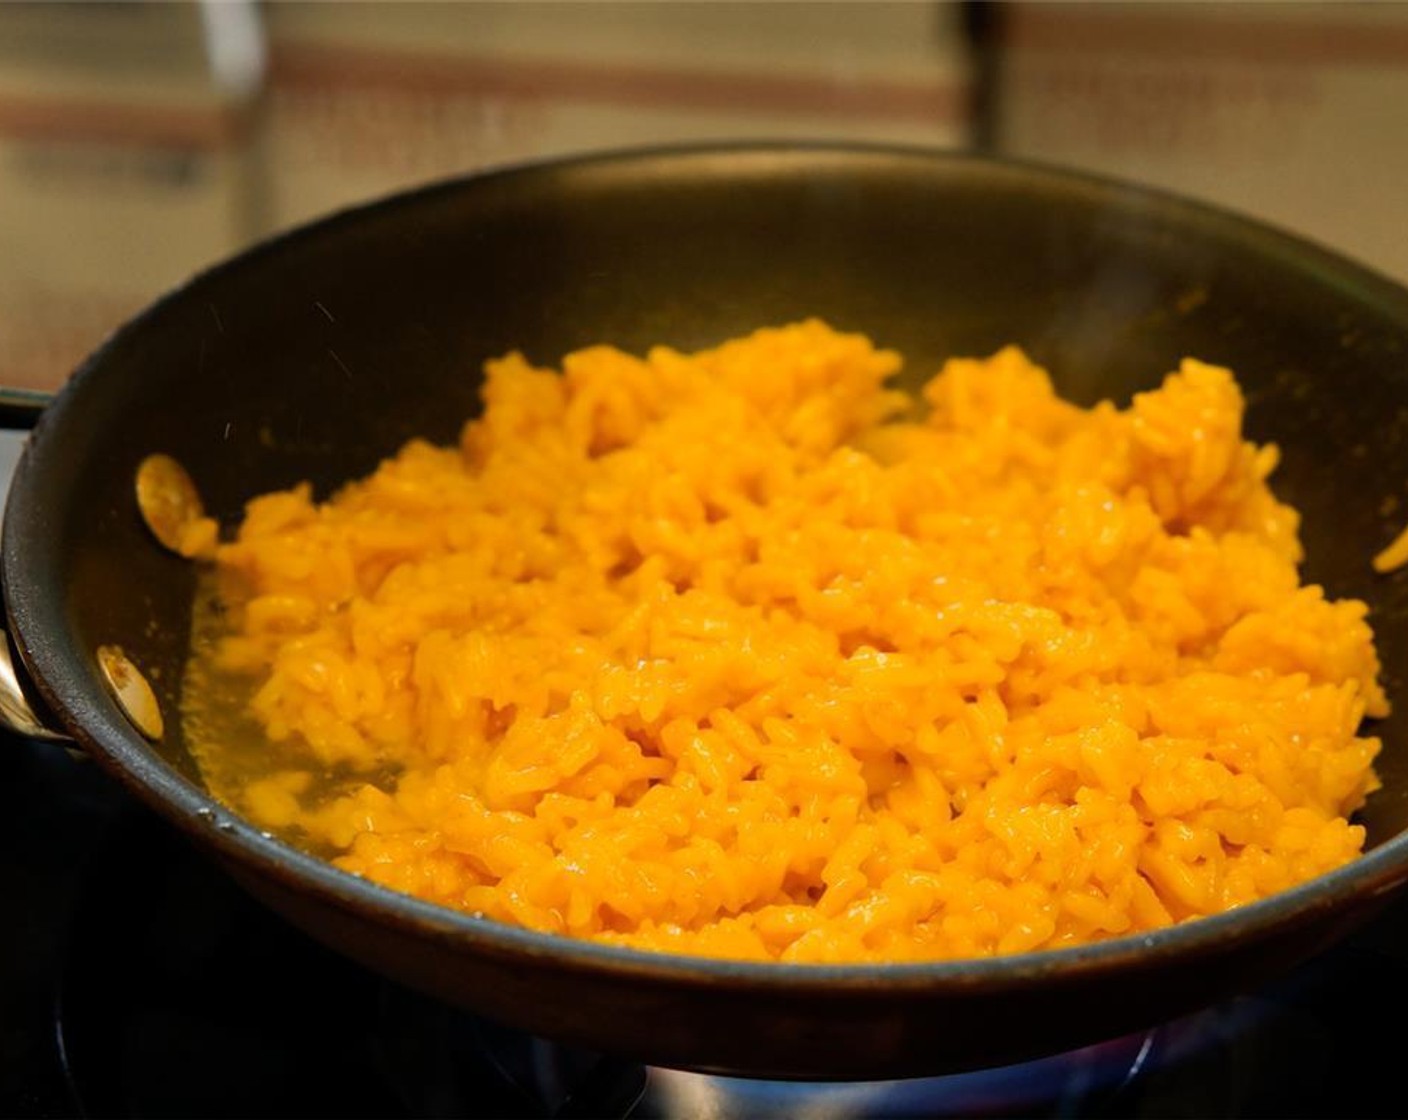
x=17 y=713
x=20 y=410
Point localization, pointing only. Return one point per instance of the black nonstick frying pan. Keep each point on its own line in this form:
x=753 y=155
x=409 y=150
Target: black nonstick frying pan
x=314 y=355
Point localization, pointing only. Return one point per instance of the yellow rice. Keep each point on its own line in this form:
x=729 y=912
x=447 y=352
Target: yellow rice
x=1394 y=555
x=743 y=653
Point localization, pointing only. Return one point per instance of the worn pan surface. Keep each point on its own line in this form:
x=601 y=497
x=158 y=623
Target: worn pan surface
x=316 y=354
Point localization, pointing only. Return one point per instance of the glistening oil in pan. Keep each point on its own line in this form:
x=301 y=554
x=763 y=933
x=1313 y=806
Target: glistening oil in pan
x=273 y=781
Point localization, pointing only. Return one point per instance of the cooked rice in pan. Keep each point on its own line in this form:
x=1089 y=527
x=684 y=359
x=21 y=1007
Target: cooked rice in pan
x=743 y=653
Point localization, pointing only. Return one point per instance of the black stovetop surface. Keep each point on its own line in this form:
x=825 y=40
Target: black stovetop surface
x=137 y=980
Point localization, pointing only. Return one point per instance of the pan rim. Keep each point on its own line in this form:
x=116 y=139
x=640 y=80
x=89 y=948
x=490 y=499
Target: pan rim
x=106 y=736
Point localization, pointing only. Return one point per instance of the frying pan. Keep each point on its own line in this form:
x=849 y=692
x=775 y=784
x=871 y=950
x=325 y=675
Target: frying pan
x=315 y=354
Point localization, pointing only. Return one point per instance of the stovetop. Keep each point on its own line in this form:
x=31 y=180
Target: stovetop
x=137 y=980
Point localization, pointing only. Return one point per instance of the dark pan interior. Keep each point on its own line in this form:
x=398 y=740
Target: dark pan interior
x=317 y=354
x=321 y=353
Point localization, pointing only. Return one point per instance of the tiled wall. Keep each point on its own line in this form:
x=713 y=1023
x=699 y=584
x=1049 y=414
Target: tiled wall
x=1294 y=113
x=140 y=142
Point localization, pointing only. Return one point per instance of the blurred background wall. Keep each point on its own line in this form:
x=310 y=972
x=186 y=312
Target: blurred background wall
x=142 y=141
